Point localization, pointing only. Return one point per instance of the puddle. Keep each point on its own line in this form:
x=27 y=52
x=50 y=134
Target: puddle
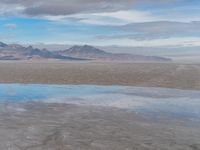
x=154 y=101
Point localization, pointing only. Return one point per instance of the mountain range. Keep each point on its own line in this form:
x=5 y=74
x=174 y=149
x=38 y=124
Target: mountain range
x=85 y=52
x=19 y=52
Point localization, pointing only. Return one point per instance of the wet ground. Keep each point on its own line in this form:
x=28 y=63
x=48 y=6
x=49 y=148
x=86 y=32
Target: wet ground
x=89 y=117
x=144 y=100
x=42 y=126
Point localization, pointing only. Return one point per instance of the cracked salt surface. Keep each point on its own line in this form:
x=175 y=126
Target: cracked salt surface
x=176 y=103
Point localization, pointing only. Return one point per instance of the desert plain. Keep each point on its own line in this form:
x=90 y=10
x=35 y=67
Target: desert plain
x=166 y=75
x=57 y=126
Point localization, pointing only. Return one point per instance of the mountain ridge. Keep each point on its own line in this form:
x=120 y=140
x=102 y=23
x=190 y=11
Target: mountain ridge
x=18 y=52
x=90 y=52
x=85 y=52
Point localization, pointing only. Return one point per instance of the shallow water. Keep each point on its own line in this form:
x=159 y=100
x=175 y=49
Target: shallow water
x=154 y=101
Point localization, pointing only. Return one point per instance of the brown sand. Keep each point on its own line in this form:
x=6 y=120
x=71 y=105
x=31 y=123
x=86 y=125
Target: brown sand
x=169 y=75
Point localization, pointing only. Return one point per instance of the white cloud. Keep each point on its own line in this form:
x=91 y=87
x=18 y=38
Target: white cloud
x=130 y=16
x=12 y=9
x=105 y=21
x=122 y=17
x=107 y=18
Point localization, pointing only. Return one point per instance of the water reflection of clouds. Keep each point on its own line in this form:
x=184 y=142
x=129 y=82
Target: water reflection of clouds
x=10 y=91
x=151 y=100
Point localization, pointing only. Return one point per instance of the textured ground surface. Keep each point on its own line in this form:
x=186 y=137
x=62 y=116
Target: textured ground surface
x=183 y=76
x=37 y=126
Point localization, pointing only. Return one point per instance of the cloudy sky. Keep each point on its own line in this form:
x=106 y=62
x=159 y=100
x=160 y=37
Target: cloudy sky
x=138 y=23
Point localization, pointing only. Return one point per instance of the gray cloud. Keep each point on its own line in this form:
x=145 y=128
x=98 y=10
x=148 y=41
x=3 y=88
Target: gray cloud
x=163 y=27
x=156 y=30
x=65 y=7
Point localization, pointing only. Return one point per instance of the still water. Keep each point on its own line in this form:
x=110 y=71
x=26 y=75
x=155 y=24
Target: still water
x=155 y=101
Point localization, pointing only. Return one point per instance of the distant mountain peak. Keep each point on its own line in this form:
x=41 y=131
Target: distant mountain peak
x=85 y=49
x=87 y=46
x=93 y=53
x=3 y=44
x=30 y=47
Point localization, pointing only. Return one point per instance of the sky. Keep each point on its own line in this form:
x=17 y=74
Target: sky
x=133 y=23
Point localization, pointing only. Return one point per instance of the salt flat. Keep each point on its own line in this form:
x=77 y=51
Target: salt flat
x=162 y=117
x=39 y=126
x=71 y=117
x=168 y=75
